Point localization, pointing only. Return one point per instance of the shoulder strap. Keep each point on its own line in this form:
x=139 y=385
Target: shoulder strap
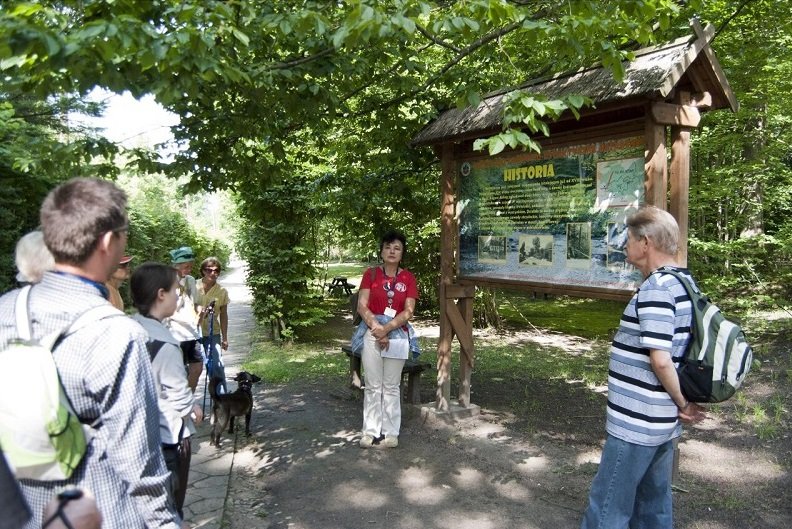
x=689 y=288
x=23 y=325
x=154 y=347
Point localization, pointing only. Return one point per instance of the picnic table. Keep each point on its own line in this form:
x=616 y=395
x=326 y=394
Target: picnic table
x=340 y=285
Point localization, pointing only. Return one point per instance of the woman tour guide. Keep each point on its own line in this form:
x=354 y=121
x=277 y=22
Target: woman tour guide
x=386 y=303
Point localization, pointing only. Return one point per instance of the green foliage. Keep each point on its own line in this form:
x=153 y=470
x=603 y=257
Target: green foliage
x=38 y=150
x=19 y=214
x=741 y=178
x=158 y=223
x=525 y=110
x=274 y=243
x=305 y=108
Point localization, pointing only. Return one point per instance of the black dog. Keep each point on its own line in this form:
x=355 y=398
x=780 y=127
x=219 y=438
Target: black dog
x=229 y=405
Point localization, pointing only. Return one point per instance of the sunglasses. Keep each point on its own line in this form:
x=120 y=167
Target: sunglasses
x=212 y=270
x=124 y=265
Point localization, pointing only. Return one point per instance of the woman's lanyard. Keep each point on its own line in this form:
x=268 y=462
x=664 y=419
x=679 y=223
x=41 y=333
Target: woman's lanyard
x=390 y=290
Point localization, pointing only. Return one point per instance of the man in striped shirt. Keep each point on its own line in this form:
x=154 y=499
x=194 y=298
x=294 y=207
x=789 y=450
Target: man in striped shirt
x=632 y=487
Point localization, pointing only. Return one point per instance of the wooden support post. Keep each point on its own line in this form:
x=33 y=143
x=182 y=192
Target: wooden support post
x=466 y=352
x=655 y=166
x=447 y=236
x=680 y=181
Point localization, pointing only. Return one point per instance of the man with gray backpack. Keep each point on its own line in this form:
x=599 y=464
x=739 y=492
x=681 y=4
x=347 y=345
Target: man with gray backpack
x=646 y=404
x=101 y=368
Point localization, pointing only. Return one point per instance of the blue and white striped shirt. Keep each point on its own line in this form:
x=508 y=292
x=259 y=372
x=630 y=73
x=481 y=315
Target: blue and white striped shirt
x=659 y=316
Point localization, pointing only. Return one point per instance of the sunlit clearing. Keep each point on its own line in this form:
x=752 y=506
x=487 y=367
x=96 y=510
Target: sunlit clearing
x=468 y=478
x=416 y=485
x=357 y=495
x=755 y=467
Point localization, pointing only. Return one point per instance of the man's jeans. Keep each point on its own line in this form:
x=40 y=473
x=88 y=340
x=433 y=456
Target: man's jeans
x=632 y=487
x=381 y=398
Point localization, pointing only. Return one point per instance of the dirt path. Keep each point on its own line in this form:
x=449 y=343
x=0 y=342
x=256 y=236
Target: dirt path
x=303 y=469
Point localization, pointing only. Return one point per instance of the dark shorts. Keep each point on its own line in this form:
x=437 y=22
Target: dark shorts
x=191 y=352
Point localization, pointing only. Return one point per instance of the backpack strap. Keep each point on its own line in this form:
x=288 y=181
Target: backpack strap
x=691 y=289
x=154 y=347
x=23 y=325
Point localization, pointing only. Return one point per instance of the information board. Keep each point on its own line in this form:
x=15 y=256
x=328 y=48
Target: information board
x=555 y=218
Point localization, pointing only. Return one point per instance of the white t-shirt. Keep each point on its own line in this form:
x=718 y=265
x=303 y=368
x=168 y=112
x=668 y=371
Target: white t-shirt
x=183 y=324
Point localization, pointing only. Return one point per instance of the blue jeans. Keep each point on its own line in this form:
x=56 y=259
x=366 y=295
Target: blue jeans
x=632 y=487
x=215 y=367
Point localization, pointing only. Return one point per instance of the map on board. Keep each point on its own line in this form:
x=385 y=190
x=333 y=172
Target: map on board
x=620 y=182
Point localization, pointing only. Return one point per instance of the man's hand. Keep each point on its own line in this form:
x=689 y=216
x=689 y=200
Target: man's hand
x=197 y=414
x=81 y=512
x=692 y=413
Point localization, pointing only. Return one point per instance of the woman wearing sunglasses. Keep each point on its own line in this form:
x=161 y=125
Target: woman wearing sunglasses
x=213 y=299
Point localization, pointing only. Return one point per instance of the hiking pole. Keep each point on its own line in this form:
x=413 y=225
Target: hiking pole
x=209 y=364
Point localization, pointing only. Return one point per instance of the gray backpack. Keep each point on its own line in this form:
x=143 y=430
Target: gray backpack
x=718 y=357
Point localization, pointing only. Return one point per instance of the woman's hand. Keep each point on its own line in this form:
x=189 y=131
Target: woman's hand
x=379 y=331
x=383 y=342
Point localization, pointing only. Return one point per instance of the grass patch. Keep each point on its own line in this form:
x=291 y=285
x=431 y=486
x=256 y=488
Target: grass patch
x=499 y=362
x=345 y=269
x=279 y=364
x=587 y=318
x=533 y=361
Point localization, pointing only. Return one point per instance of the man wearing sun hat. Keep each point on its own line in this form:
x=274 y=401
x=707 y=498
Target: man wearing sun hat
x=184 y=322
x=120 y=275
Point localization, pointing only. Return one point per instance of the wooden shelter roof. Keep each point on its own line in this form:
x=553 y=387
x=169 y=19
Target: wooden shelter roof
x=652 y=75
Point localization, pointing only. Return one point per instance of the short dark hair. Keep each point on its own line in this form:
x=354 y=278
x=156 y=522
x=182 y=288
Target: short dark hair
x=391 y=236
x=210 y=261
x=76 y=214
x=147 y=280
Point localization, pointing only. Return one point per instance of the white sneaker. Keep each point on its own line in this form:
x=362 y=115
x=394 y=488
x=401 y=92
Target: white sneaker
x=366 y=441
x=389 y=442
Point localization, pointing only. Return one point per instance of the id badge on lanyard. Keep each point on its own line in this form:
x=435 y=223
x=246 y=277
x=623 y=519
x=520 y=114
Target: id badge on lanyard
x=390 y=289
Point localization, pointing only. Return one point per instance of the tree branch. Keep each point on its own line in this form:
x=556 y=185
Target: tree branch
x=440 y=42
x=302 y=60
x=468 y=50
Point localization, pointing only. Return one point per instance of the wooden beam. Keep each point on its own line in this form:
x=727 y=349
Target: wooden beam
x=466 y=355
x=706 y=35
x=701 y=100
x=679 y=115
x=655 y=166
x=457 y=291
x=680 y=182
x=447 y=237
x=461 y=328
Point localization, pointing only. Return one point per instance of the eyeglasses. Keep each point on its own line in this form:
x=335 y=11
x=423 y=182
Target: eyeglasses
x=212 y=270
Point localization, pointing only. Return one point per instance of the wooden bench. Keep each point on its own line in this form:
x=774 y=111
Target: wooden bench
x=412 y=369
